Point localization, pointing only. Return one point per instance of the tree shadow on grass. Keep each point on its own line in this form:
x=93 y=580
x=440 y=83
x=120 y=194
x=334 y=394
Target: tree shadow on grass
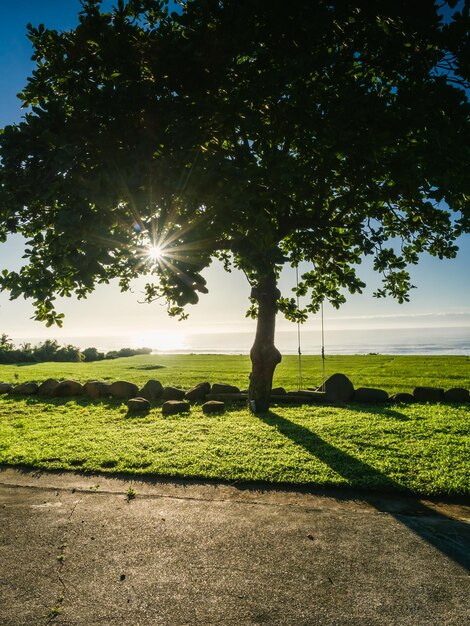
x=85 y=401
x=449 y=536
x=82 y=401
x=147 y=367
x=25 y=364
x=373 y=409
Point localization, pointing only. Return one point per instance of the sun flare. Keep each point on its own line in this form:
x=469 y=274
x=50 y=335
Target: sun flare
x=154 y=252
x=161 y=341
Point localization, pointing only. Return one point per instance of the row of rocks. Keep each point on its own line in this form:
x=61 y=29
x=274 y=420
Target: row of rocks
x=337 y=389
x=152 y=391
x=173 y=407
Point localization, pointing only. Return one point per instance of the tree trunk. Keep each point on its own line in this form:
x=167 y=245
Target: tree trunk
x=264 y=355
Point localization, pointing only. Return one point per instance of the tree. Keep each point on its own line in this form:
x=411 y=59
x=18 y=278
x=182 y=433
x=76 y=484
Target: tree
x=69 y=353
x=92 y=354
x=47 y=350
x=5 y=342
x=260 y=133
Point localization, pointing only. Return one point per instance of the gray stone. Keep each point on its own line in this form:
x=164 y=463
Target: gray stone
x=402 y=397
x=228 y=397
x=302 y=397
x=152 y=390
x=369 y=395
x=25 y=389
x=123 y=389
x=96 y=389
x=48 y=387
x=173 y=393
x=213 y=406
x=138 y=405
x=198 y=393
x=5 y=388
x=338 y=389
x=172 y=407
x=457 y=394
x=222 y=388
x=68 y=388
x=306 y=393
x=428 y=394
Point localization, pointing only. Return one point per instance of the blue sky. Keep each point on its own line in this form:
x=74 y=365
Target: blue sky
x=441 y=299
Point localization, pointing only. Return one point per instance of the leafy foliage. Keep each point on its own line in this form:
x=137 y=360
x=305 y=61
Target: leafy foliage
x=260 y=133
x=50 y=350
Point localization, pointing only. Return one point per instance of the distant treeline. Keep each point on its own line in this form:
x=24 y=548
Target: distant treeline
x=50 y=350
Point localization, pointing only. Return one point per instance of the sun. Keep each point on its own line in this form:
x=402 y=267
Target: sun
x=154 y=252
x=161 y=340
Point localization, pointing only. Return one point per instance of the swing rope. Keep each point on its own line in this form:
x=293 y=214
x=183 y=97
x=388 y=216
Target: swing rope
x=323 y=377
x=299 y=349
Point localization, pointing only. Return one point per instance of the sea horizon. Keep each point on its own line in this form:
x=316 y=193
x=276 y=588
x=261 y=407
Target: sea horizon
x=412 y=341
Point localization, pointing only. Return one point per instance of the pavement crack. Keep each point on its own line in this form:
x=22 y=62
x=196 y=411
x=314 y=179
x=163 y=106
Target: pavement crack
x=57 y=608
x=76 y=503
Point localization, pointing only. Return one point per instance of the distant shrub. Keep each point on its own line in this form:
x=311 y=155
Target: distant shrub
x=46 y=351
x=124 y=352
x=69 y=353
x=15 y=356
x=92 y=354
x=50 y=350
x=134 y=351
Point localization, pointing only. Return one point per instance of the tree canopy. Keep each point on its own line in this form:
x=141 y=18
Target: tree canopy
x=260 y=133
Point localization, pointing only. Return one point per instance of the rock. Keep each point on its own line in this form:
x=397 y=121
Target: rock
x=25 y=389
x=338 y=389
x=402 y=397
x=369 y=395
x=138 y=405
x=457 y=394
x=278 y=391
x=213 y=406
x=5 y=388
x=228 y=397
x=97 y=389
x=172 y=393
x=152 y=390
x=68 y=388
x=306 y=393
x=302 y=397
x=123 y=389
x=221 y=388
x=198 y=393
x=172 y=407
x=48 y=387
x=428 y=394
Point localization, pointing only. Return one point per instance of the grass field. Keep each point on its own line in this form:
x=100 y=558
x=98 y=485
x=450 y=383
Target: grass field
x=392 y=373
x=423 y=449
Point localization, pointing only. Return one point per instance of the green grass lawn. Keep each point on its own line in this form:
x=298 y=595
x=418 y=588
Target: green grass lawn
x=418 y=448
x=392 y=373
x=423 y=449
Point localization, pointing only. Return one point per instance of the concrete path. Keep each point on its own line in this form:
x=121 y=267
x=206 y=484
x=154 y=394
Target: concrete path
x=77 y=551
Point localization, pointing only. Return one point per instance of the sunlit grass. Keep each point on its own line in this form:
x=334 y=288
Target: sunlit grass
x=419 y=448
x=392 y=373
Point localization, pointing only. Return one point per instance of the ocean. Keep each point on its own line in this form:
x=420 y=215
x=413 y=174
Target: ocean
x=417 y=341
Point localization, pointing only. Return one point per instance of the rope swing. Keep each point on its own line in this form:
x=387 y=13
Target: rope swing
x=299 y=346
x=299 y=351
x=323 y=377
